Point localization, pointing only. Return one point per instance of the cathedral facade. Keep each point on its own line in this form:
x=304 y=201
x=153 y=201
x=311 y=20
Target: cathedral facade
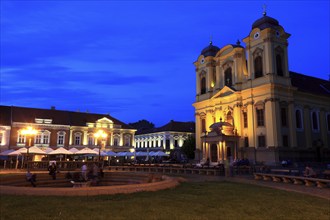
x=249 y=105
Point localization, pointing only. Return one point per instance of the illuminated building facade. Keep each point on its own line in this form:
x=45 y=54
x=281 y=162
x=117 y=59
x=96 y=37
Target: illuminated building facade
x=168 y=137
x=256 y=107
x=62 y=129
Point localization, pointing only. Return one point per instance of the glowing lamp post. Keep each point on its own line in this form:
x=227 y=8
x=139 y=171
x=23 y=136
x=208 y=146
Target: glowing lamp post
x=100 y=134
x=28 y=132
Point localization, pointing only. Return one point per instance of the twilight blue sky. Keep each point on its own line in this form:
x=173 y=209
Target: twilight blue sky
x=134 y=59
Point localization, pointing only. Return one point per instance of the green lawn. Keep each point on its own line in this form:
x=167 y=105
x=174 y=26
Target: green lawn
x=204 y=200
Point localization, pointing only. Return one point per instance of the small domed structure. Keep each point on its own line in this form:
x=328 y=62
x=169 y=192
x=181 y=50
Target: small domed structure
x=210 y=50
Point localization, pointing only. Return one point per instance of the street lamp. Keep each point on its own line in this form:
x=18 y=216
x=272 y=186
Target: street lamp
x=100 y=134
x=28 y=132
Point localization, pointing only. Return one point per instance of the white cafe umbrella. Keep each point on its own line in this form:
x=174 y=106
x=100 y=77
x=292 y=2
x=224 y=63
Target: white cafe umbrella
x=60 y=150
x=18 y=152
x=48 y=150
x=86 y=150
x=73 y=150
x=34 y=150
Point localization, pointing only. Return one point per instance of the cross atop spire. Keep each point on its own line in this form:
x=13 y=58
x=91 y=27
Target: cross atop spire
x=211 y=39
x=264 y=11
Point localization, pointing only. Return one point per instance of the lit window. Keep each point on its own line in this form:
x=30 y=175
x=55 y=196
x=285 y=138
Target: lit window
x=60 y=138
x=245 y=120
x=38 y=139
x=1 y=137
x=46 y=138
x=21 y=138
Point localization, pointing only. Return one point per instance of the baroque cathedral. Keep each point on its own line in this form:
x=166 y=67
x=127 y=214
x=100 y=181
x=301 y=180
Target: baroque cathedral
x=249 y=105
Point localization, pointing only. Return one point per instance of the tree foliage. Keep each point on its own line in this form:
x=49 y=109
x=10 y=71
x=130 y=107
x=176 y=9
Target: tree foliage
x=189 y=146
x=142 y=125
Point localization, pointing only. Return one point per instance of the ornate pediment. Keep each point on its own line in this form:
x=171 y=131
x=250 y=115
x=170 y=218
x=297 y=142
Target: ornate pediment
x=225 y=91
x=104 y=120
x=101 y=123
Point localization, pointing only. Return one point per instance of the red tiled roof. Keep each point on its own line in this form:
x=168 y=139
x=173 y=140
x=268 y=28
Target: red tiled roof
x=28 y=115
x=310 y=84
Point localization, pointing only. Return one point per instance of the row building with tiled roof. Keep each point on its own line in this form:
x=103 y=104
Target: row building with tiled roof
x=165 y=138
x=249 y=105
x=57 y=128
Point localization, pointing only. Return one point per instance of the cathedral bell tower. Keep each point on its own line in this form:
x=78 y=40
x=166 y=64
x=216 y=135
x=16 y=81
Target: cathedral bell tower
x=266 y=48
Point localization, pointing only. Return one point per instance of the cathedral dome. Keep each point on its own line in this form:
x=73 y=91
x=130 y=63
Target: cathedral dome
x=210 y=50
x=265 y=22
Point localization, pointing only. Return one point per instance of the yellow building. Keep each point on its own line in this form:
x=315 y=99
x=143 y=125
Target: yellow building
x=249 y=105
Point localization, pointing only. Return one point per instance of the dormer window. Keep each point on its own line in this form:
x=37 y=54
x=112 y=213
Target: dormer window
x=43 y=120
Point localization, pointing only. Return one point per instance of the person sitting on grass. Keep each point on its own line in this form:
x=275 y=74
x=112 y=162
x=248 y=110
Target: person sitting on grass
x=32 y=178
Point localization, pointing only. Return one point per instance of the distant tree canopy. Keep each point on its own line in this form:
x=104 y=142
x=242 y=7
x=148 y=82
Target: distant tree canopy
x=189 y=146
x=142 y=125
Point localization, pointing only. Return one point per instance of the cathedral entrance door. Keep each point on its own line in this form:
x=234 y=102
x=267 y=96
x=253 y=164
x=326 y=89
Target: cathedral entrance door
x=214 y=153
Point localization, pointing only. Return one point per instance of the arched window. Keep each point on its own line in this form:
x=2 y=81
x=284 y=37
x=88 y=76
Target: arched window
x=230 y=118
x=258 y=67
x=279 y=65
x=77 y=138
x=315 y=123
x=127 y=140
x=60 y=138
x=299 y=124
x=228 y=77
x=203 y=85
x=203 y=125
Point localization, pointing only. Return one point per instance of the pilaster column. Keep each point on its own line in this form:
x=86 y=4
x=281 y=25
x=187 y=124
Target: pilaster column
x=292 y=125
x=323 y=128
x=272 y=122
x=251 y=124
x=85 y=139
x=70 y=137
x=307 y=127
